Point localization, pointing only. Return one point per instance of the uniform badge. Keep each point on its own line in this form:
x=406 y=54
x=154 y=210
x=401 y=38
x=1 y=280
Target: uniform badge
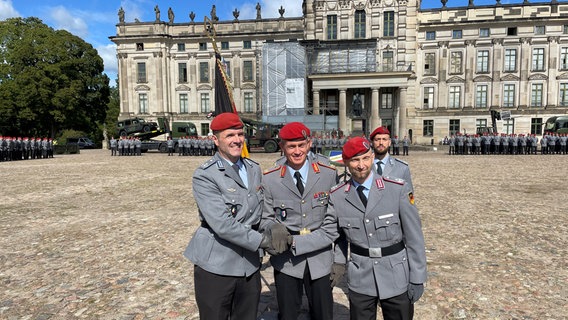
x=283 y=214
x=231 y=190
x=234 y=210
x=304 y=231
x=411 y=198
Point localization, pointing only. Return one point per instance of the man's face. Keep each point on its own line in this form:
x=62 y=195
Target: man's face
x=381 y=144
x=230 y=143
x=360 y=166
x=296 y=152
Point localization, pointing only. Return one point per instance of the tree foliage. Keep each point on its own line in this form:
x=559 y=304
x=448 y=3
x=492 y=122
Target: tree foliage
x=50 y=80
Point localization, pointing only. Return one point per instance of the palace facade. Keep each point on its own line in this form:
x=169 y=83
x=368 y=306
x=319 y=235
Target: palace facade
x=354 y=65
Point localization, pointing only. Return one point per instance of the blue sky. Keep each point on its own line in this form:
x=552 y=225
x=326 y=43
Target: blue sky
x=95 y=20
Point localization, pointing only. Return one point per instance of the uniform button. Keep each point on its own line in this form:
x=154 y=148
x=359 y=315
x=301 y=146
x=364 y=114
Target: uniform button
x=349 y=224
x=304 y=215
x=376 y=262
x=233 y=200
x=250 y=211
x=370 y=234
x=388 y=222
x=366 y=220
x=303 y=201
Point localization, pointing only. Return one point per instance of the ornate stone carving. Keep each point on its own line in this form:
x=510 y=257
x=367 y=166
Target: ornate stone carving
x=443 y=44
x=281 y=11
x=141 y=87
x=469 y=42
x=455 y=79
x=183 y=87
x=429 y=80
x=525 y=40
x=510 y=77
x=538 y=76
x=498 y=41
x=482 y=79
x=553 y=39
x=236 y=14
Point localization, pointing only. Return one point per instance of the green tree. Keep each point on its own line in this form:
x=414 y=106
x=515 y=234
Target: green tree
x=50 y=80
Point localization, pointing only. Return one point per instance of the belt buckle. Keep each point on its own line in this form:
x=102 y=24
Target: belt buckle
x=375 y=253
x=304 y=231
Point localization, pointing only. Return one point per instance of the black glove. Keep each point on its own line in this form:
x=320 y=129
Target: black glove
x=266 y=241
x=415 y=291
x=337 y=271
x=281 y=239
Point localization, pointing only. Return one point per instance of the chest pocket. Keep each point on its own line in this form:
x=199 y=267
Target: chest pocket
x=388 y=228
x=283 y=209
x=234 y=203
x=353 y=229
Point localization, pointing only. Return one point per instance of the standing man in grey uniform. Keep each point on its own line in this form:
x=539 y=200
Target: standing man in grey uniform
x=295 y=206
x=405 y=145
x=113 y=146
x=225 y=248
x=377 y=216
x=385 y=165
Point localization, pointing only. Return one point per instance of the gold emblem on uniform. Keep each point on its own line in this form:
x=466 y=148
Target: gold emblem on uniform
x=305 y=231
x=411 y=198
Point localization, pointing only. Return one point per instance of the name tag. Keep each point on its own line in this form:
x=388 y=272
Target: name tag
x=386 y=216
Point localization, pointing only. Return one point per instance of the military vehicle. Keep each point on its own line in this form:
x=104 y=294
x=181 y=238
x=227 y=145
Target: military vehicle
x=263 y=135
x=134 y=125
x=162 y=128
x=556 y=125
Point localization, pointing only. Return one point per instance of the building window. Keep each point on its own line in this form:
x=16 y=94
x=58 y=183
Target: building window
x=483 y=61
x=203 y=46
x=388 y=60
x=248 y=102
x=204 y=72
x=480 y=123
x=481 y=96
x=454 y=126
x=509 y=95
x=182 y=72
x=539 y=30
x=247 y=44
x=428 y=98
x=228 y=68
x=430 y=35
x=429 y=63
x=538 y=59
x=388 y=30
x=455 y=97
x=563 y=94
x=456 y=34
x=512 y=31
x=564 y=58
x=247 y=71
x=360 y=24
x=140 y=46
x=205 y=129
x=536 y=94
x=142 y=103
x=428 y=128
x=536 y=126
x=565 y=29
x=484 y=32
x=183 y=103
x=510 y=60
x=387 y=97
x=456 y=62
x=205 y=103
x=225 y=45
x=332 y=27
x=181 y=47
x=141 y=66
x=509 y=126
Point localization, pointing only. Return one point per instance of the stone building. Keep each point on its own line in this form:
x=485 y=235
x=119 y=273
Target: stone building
x=354 y=65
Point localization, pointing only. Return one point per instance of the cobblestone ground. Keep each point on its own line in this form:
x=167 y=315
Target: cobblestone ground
x=91 y=236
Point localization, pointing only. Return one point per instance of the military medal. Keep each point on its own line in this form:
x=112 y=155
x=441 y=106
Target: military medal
x=283 y=214
x=305 y=231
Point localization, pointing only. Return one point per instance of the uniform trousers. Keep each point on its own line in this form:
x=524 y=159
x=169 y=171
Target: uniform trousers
x=289 y=296
x=364 y=307
x=221 y=297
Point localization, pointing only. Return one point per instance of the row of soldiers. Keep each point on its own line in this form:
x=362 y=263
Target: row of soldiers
x=507 y=144
x=18 y=148
x=192 y=146
x=125 y=146
x=320 y=143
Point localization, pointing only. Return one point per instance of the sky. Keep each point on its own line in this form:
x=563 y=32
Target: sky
x=95 y=20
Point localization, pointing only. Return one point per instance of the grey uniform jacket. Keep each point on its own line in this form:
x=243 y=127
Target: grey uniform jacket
x=226 y=243
x=284 y=204
x=396 y=168
x=390 y=217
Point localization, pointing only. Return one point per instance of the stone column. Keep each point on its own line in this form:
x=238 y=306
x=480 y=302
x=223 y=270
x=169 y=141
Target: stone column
x=375 y=120
x=316 y=102
x=343 y=111
x=402 y=129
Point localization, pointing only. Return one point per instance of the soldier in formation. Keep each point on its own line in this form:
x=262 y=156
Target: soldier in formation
x=18 y=148
x=507 y=144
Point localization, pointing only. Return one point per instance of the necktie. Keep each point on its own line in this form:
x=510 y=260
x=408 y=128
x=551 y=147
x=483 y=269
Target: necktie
x=379 y=168
x=299 y=183
x=362 y=196
x=236 y=167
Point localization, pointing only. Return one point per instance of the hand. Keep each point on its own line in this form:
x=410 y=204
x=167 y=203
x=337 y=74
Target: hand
x=281 y=239
x=415 y=291
x=266 y=243
x=337 y=271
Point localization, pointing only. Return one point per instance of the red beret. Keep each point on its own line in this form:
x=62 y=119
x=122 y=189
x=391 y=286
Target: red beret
x=379 y=130
x=227 y=120
x=294 y=131
x=355 y=146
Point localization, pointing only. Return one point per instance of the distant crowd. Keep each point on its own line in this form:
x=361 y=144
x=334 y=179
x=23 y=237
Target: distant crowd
x=512 y=144
x=18 y=148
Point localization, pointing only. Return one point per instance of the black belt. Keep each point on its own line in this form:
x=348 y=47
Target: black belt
x=206 y=226
x=377 y=252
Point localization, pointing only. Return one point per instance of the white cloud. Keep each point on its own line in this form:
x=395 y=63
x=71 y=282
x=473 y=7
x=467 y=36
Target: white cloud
x=7 y=10
x=64 y=19
x=132 y=10
x=108 y=53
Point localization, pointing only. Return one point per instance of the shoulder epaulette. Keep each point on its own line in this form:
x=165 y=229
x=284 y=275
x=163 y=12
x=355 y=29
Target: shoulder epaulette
x=267 y=171
x=401 y=161
x=250 y=161
x=208 y=163
x=394 y=180
x=327 y=166
x=337 y=187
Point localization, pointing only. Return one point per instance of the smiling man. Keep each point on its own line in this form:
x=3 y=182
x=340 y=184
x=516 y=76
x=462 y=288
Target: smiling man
x=225 y=247
x=385 y=164
x=376 y=216
x=295 y=207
